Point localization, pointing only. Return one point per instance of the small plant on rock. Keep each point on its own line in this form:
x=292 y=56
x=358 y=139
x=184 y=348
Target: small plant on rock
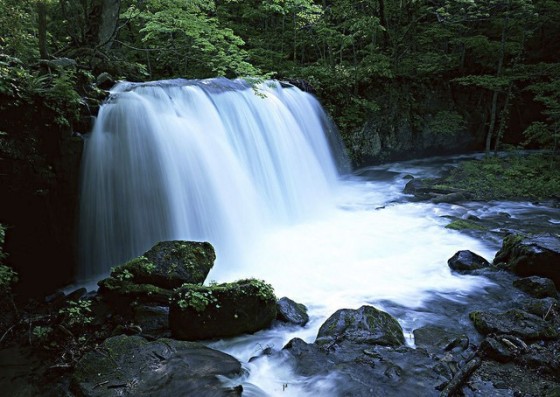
x=77 y=314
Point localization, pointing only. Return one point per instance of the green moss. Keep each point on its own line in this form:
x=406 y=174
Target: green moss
x=127 y=271
x=475 y=317
x=199 y=297
x=462 y=224
x=131 y=289
x=514 y=177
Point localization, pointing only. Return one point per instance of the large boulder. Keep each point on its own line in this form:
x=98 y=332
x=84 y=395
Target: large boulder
x=151 y=277
x=366 y=325
x=170 y=264
x=229 y=309
x=132 y=366
x=514 y=322
x=467 y=261
x=537 y=255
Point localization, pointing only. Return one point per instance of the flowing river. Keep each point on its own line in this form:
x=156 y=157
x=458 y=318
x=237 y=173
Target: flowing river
x=261 y=174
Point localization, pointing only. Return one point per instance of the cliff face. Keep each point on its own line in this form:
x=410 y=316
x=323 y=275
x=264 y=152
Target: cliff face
x=418 y=120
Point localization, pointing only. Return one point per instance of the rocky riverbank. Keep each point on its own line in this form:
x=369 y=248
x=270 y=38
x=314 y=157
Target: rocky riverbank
x=123 y=339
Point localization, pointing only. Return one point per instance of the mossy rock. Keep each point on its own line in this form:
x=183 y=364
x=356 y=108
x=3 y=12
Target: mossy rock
x=169 y=264
x=525 y=256
x=132 y=366
x=366 y=325
x=464 y=224
x=537 y=287
x=229 y=309
x=116 y=290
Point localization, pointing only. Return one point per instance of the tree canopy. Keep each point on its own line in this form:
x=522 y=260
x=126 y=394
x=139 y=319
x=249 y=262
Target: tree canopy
x=366 y=59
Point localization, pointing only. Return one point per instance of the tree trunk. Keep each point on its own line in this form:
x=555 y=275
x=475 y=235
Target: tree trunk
x=103 y=17
x=499 y=71
x=42 y=17
x=383 y=22
x=503 y=119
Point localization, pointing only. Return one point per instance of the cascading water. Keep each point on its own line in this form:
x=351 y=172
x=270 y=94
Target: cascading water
x=257 y=175
x=200 y=160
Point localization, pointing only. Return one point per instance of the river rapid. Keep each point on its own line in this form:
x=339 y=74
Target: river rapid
x=376 y=246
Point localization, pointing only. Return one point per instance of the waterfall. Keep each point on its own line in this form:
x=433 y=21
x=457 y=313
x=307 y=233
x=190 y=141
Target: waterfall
x=210 y=160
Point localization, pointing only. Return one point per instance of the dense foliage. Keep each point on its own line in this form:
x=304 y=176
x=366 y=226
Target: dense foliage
x=515 y=177
x=494 y=64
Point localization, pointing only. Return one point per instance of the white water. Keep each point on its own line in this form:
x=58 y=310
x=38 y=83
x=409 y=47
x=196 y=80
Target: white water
x=257 y=177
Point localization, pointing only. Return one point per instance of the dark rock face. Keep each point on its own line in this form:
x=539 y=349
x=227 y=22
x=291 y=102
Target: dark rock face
x=531 y=256
x=291 y=312
x=365 y=325
x=398 y=131
x=132 y=366
x=466 y=261
x=515 y=322
x=201 y=312
x=537 y=287
x=152 y=320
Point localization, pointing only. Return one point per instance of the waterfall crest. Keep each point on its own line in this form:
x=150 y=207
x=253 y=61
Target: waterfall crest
x=211 y=160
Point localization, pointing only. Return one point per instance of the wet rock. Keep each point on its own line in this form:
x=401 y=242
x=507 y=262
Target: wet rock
x=377 y=174
x=360 y=370
x=449 y=198
x=502 y=348
x=466 y=261
x=537 y=287
x=417 y=187
x=310 y=359
x=492 y=378
x=515 y=322
x=364 y=325
x=153 y=320
x=543 y=357
x=537 y=255
x=439 y=339
x=205 y=312
x=427 y=189
x=291 y=312
x=132 y=366
x=544 y=308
